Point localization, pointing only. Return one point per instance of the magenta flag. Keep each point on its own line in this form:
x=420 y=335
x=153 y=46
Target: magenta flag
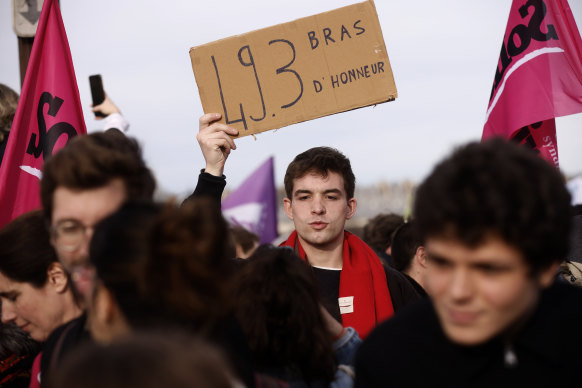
x=538 y=77
x=253 y=205
x=48 y=115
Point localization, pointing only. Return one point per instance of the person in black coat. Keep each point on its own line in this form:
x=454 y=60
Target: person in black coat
x=494 y=219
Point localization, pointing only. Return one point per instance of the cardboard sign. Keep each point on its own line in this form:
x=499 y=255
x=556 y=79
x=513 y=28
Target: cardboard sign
x=292 y=72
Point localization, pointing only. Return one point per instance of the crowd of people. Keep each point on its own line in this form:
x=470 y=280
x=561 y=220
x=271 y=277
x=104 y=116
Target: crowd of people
x=106 y=287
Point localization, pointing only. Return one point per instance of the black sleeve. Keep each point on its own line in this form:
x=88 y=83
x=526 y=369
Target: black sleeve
x=208 y=185
x=401 y=291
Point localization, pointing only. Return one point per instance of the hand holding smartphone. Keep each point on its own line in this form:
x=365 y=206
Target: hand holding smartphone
x=97 y=92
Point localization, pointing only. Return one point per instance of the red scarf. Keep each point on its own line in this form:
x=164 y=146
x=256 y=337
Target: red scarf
x=363 y=278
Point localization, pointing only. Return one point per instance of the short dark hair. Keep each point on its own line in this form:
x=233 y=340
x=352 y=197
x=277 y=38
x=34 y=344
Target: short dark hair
x=404 y=246
x=378 y=231
x=277 y=306
x=93 y=161
x=502 y=189
x=320 y=160
x=25 y=250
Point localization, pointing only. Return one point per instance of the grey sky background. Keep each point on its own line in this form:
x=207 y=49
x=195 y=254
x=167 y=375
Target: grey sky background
x=443 y=55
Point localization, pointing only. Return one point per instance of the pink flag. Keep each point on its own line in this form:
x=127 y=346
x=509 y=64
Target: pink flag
x=538 y=77
x=49 y=114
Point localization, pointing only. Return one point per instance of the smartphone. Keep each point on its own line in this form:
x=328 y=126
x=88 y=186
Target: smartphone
x=97 y=92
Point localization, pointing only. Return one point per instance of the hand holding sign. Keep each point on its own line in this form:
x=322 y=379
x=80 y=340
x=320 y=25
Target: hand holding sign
x=215 y=142
x=296 y=71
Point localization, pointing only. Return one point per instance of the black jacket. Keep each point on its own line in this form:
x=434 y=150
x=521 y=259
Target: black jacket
x=411 y=350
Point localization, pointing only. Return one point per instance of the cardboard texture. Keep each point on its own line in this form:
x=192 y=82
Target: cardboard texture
x=292 y=72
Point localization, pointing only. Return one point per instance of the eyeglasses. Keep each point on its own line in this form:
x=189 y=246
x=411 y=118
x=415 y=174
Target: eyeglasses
x=69 y=235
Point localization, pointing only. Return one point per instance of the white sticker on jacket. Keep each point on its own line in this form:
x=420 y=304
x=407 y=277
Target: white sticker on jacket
x=346 y=304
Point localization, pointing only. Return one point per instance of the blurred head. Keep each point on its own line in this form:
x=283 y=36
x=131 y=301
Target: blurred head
x=277 y=306
x=378 y=231
x=86 y=181
x=188 y=270
x=405 y=244
x=8 y=104
x=159 y=265
x=119 y=250
x=145 y=360
x=34 y=287
x=494 y=240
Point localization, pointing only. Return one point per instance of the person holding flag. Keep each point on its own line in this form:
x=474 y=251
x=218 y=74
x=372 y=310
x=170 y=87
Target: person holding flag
x=356 y=289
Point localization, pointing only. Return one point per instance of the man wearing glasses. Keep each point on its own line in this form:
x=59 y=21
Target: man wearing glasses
x=83 y=183
x=87 y=180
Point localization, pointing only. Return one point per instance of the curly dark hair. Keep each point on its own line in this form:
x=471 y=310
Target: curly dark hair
x=93 y=161
x=320 y=160
x=119 y=251
x=277 y=306
x=190 y=250
x=162 y=262
x=497 y=188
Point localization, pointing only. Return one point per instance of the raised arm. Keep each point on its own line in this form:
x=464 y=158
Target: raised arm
x=113 y=117
x=216 y=144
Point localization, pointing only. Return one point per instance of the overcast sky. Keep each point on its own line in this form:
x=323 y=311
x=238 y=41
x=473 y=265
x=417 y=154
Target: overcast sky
x=443 y=55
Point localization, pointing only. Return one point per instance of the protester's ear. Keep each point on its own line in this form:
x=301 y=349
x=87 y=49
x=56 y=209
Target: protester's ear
x=352 y=204
x=420 y=256
x=57 y=277
x=287 y=206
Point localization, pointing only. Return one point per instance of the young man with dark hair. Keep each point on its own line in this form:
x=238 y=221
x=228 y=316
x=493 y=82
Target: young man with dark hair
x=87 y=180
x=356 y=289
x=494 y=219
x=409 y=257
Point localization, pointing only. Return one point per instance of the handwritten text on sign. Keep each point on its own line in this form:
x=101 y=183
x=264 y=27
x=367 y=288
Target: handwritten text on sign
x=312 y=67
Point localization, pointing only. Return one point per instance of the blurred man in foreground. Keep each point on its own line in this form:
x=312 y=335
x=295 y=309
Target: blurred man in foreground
x=494 y=219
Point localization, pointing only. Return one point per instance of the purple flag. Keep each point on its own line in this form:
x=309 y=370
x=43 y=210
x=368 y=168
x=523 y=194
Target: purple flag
x=254 y=204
